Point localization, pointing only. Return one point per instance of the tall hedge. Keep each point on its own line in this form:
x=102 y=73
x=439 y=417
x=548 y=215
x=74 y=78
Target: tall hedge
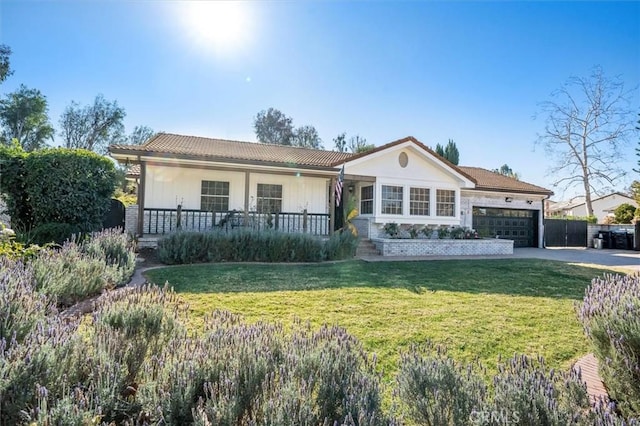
x=58 y=185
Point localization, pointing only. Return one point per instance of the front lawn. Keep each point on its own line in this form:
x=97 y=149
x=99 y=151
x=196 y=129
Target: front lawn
x=478 y=308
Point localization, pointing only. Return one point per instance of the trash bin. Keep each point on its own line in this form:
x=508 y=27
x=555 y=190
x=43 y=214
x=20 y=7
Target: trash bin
x=605 y=236
x=597 y=243
x=620 y=240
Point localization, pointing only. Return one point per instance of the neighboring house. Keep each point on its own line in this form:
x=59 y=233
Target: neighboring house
x=602 y=207
x=403 y=182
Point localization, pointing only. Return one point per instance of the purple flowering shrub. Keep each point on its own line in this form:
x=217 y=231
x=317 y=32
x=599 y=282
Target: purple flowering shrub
x=20 y=306
x=610 y=314
x=432 y=389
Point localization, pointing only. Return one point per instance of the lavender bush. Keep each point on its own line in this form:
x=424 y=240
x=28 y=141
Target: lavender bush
x=610 y=314
x=432 y=389
x=69 y=275
x=116 y=248
x=20 y=306
x=436 y=390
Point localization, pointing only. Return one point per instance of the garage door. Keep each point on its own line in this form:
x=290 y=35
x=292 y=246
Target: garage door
x=517 y=225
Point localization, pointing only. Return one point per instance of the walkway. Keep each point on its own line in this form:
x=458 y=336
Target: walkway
x=588 y=367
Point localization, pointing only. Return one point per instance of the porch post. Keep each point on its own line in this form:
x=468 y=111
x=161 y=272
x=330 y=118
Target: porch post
x=332 y=205
x=141 y=189
x=247 y=175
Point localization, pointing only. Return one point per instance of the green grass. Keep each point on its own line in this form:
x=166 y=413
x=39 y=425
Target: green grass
x=478 y=308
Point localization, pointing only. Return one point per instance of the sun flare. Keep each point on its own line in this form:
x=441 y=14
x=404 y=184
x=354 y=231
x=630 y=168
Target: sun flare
x=222 y=25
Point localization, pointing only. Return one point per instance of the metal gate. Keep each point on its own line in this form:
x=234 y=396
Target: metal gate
x=115 y=216
x=565 y=233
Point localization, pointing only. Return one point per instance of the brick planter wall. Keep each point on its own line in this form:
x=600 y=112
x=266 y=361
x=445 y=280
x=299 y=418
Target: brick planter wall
x=425 y=247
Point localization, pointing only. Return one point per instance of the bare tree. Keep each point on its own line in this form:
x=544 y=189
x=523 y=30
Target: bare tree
x=587 y=128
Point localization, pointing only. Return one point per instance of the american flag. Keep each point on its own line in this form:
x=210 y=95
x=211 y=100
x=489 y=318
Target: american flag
x=339 y=183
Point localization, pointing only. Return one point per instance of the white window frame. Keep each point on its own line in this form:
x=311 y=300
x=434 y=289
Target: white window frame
x=427 y=201
x=214 y=197
x=392 y=200
x=369 y=200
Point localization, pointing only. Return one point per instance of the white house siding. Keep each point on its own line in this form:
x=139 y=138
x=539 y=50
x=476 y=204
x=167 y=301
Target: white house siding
x=298 y=192
x=474 y=198
x=421 y=171
x=166 y=187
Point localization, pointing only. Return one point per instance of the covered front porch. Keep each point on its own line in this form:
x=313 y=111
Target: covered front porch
x=160 y=221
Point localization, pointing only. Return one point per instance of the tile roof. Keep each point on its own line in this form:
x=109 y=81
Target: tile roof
x=492 y=181
x=227 y=150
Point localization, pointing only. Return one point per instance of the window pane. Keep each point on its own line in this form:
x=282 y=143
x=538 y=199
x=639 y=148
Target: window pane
x=269 y=198
x=445 y=202
x=391 y=199
x=366 y=200
x=214 y=196
x=419 y=201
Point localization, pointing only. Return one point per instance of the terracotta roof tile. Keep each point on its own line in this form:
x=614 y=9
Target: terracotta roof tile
x=492 y=181
x=221 y=149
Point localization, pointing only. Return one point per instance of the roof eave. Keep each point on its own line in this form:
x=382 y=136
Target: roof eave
x=171 y=156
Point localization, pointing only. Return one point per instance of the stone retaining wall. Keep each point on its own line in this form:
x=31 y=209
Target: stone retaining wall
x=445 y=247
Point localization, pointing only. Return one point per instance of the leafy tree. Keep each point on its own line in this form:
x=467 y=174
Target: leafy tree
x=272 y=126
x=307 y=137
x=24 y=117
x=586 y=129
x=340 y=142
x=507 y=171
x=624 y=213
x=5 y=65
x=439 y=150
x=451 y=152
x=93 y=127
x=140 y=135
x=358 y=144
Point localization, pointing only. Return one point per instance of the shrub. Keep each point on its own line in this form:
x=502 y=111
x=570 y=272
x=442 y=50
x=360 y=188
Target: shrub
x=427 y=231
x=78 y=188
x=527 y=392
x=20 y=306
x=13 y=249
x=69 y=275
x=116 y=249
x=391 y=229
x=414 y=230
x=256 y=374
x=624 y=213
x=56 y=233
x=244 y=245
x=610 y=314
x=341 y=245
x=436 y=390
x=444 y=232
x=457 y=232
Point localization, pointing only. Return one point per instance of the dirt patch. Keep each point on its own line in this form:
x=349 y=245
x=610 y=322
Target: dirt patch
x=147 y=257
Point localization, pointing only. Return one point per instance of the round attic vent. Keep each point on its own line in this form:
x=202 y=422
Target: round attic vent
x=403 y=159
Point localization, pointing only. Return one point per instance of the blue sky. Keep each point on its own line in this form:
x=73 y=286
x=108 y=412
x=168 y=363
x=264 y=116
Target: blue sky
x=474 y=72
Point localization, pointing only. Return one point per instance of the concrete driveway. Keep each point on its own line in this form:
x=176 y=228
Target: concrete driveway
x=627 y=259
